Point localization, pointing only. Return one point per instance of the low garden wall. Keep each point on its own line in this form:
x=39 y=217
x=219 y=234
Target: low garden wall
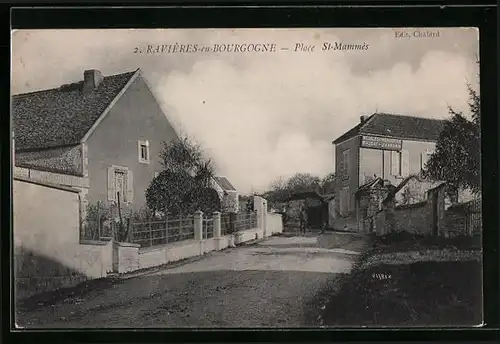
x=49 y=252
x=154 y=256
x=248 y=235
x=464 y=218
x=413 y=218
x=148 y=257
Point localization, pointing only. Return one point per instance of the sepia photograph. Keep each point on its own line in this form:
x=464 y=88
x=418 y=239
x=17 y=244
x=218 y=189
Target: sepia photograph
x=246 y=178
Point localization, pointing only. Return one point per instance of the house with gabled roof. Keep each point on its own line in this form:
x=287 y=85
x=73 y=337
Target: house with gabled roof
x=228 y=194
x=386 y=146
x=102 y=135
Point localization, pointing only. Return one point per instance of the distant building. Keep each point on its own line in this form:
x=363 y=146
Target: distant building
x=317 y=208
x=386 y=146
x=102 y=135
x=227 y=193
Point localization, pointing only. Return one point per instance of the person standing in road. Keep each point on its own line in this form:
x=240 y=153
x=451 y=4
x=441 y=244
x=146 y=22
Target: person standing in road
x=303 y=219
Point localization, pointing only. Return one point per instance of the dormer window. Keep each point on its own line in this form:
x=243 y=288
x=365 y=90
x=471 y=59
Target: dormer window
x=143 y=147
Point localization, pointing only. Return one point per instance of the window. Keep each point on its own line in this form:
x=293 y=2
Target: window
x=400 y=163
x=143 y=147
x=345 y=164
x=120 y=184
x=396 y=164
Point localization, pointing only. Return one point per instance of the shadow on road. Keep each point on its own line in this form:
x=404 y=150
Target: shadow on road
x=250 y=298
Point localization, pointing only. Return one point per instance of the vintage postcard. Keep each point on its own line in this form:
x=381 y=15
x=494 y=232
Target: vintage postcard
x=246 y=178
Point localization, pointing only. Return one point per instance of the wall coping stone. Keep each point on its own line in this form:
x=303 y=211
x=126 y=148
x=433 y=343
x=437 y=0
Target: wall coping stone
x=126 y=244
x=94 y=242
x=169 y=245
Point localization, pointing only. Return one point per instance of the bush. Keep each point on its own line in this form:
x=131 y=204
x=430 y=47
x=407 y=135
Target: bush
x=103 y=219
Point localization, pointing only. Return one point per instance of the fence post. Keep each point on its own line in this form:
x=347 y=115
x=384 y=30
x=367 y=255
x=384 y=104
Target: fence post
x=233 y=222
x=111 y=222
x=216 y=224
x=130 y=236
x=166 y=227
x=198 y=225
x=150 y=231
x=98 y=220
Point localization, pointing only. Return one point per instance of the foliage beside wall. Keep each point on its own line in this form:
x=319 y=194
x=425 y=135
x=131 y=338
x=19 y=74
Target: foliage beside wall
x=457 y=158
x=184 y=185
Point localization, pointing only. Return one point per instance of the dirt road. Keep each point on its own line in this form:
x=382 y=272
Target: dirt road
x=270 y=284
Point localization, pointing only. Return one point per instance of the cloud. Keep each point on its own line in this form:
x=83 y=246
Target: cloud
x=278 y=116
x=262 y=116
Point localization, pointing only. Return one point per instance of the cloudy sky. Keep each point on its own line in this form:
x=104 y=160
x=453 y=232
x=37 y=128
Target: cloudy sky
x=262 y=116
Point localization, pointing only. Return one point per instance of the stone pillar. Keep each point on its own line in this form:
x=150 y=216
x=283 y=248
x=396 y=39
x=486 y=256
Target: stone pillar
x=257 y=206
x=217 y=229
x=198 y=225
x=260 y=205
x=264 y=218
x=221 y=242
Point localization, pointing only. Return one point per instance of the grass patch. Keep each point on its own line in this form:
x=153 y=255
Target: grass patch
x=417 y=294
x=404 y=242
x=385 y=290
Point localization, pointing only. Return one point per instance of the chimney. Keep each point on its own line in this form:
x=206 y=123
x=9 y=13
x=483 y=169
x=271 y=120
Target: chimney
x=362 y=119
x=91 y=80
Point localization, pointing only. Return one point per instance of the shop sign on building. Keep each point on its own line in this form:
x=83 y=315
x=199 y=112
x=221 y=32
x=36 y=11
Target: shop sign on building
x=377 y=142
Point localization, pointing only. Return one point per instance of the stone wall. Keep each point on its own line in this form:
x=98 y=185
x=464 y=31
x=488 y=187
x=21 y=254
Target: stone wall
x=464 y=219
x=415 y=218
x=48 y=253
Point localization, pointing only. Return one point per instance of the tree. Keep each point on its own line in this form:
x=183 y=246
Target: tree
x=304 y=182
x=457 y=157
x=184 y=185
x=278 y=193
x=328 y=183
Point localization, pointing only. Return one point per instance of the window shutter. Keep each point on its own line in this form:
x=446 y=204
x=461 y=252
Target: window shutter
x=341 y=203
x=130 y=186
x=341 y=166
x=111 y=184
x=346 y=162
x=405 y=163
x=395 y=163
x=423 y=160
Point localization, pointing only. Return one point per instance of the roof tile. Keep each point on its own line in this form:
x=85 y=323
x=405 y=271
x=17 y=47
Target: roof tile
x=61 y=116
x=391 y=125
x=225 y=184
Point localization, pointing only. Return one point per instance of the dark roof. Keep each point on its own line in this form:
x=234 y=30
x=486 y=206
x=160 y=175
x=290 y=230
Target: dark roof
x=61 y=116
x=224 y=183
x=47 y=184
x=374 y=183
x=405 y=181
x=298 y=195
x=391 y=125
x=58 y=160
